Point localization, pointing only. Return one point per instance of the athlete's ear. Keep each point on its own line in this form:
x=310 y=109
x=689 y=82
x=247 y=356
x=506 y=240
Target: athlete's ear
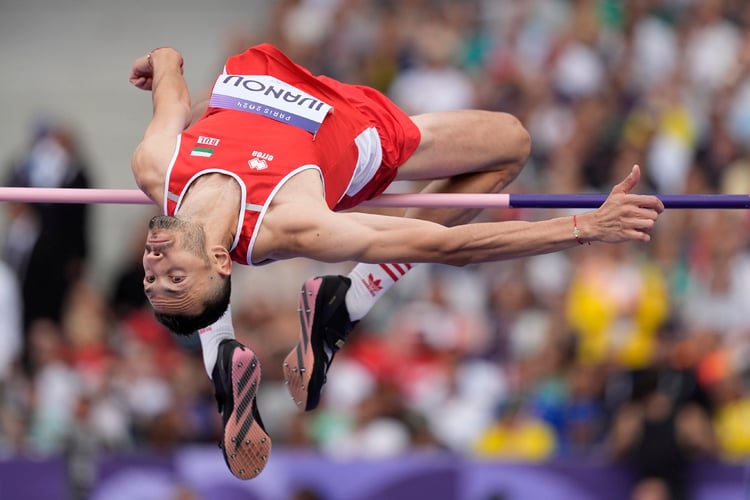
x=221 y=259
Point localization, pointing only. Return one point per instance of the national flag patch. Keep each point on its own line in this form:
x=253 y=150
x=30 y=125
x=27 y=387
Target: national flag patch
x=205 y=146
x=202 y=151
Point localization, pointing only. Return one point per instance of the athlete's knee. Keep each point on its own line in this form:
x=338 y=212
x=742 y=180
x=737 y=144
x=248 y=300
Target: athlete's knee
x=515 y=140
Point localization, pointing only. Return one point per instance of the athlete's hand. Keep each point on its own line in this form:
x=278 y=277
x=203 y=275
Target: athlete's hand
x=142 y=73
x=623 y=216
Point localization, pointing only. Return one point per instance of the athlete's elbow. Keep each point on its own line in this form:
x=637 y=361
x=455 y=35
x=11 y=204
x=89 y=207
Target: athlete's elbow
x=187 y=113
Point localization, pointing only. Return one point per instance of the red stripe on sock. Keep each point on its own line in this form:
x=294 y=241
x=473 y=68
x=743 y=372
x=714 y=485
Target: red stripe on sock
x=389 y=272
x=400 y=268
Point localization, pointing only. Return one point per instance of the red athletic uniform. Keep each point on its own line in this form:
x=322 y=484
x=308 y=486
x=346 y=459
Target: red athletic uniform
x=269 y=119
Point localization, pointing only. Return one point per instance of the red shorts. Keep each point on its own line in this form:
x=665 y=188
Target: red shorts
x=399 y=136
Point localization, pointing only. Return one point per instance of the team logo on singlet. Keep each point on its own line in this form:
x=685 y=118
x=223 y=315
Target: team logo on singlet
x=204 y=146
x=260 y=160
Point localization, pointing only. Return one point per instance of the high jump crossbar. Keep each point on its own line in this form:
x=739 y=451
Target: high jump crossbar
x=420 y=200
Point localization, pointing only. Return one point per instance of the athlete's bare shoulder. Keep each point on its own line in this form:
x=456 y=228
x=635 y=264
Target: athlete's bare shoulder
x=150 y=162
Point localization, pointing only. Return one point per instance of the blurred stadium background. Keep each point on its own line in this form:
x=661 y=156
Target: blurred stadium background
x=603 y=372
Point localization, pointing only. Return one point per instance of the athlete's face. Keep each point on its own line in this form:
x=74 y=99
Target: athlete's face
x=178 y=274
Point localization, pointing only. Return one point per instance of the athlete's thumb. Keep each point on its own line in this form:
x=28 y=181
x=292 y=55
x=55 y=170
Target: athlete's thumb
x=629 y=182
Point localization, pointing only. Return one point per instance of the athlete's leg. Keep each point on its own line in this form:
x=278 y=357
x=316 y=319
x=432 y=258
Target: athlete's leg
x=469 y=151
x=466 y=141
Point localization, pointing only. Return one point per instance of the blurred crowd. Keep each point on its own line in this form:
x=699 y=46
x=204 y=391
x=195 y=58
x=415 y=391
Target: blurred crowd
x=638 y=353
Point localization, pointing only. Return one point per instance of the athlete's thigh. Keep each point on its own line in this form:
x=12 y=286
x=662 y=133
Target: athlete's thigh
x=458 y=142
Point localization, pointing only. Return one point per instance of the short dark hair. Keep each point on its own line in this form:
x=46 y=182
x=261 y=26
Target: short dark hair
x=214 y=308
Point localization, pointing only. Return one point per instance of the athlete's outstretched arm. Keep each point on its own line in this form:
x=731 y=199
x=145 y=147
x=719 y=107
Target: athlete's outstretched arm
x=160 y=71
x=372 y=238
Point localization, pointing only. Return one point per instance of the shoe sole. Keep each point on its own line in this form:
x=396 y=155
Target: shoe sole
x=300 y=362
x=246 y=445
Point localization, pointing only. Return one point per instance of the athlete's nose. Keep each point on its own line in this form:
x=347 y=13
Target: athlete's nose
x=152 y=256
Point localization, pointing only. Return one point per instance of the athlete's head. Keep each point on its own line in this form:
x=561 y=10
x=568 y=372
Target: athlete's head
x=187 y=284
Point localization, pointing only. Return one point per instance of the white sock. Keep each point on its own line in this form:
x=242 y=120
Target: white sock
x=211 y=337
x=369 y=283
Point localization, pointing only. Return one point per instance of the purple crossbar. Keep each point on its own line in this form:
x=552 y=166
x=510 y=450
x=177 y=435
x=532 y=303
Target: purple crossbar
x=423 y=200
x=436 y=200
x=595 y=200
